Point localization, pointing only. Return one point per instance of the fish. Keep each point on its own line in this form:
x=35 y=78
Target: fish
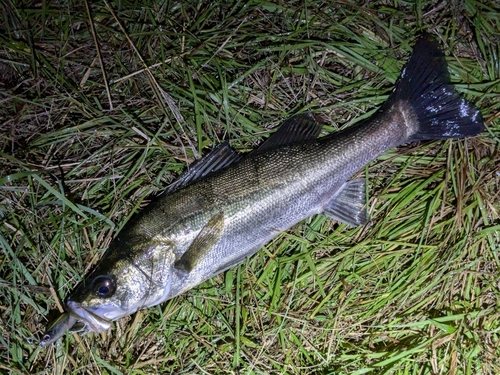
x=227 y=206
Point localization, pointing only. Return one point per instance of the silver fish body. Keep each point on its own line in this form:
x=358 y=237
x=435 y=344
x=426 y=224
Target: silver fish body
x=262 y=196
x=229 y=207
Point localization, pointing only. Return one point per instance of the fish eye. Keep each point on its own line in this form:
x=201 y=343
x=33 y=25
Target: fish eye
x=104 y=286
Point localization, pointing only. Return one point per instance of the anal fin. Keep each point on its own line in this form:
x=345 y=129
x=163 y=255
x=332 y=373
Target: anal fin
x=206 y=239
x=349 y=204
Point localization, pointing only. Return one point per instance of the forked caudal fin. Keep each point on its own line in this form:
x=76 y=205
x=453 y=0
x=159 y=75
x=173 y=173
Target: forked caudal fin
x=424 y=83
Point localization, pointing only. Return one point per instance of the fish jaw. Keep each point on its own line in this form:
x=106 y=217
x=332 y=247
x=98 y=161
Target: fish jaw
x=92 y=321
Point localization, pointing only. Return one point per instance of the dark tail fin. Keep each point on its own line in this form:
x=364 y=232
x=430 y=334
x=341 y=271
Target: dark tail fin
x=425 y=84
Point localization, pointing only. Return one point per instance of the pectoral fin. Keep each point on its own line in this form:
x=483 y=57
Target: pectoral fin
x=349 y=204
x=202 y=244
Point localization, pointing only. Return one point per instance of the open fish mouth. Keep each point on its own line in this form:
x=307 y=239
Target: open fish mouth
x=93 y=322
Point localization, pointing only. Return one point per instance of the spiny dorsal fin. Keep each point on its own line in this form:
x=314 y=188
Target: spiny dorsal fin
x=349 y=204
x=299 y=128
x=220 y=157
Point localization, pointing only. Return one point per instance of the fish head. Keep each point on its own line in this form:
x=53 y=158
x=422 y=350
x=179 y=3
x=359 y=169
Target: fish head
x=128 y=278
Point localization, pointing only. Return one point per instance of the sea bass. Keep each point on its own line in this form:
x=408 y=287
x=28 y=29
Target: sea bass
x=226 y=206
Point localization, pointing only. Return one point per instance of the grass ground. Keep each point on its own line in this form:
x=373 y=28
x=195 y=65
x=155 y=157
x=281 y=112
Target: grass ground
x=104 y=103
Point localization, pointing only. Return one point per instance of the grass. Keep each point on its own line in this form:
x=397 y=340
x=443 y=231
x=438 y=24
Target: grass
x=99 y=117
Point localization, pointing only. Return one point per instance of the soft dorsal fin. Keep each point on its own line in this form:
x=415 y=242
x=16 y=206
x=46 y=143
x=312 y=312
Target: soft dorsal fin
x=299 y=128
x=220 y=157
x=349 y=204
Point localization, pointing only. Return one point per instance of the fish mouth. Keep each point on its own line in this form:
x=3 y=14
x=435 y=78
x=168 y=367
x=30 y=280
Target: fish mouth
x=93 y=322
